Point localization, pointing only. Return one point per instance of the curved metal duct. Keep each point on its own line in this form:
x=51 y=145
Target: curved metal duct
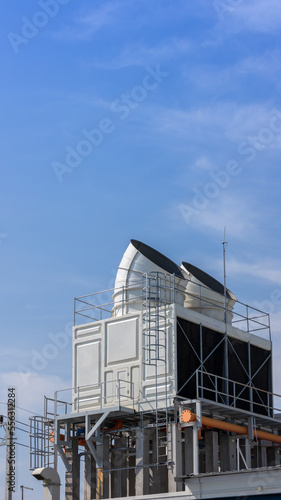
x=140 y=260
x=205 y=294
x=51 y=482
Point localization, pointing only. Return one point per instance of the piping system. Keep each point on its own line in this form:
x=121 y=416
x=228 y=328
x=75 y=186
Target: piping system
x=187 y=416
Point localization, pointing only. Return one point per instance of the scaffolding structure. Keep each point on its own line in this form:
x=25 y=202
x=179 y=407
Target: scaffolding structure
x=133 y=444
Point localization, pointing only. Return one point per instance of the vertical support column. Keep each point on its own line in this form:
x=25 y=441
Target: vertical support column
x=200 y=393
x=119 y=461
x=72 y=479
x=131 y=488
x=154 y=471
x=195 y=449
x=89 y=476
x=273 y=458
x=255 y=456
x=248 y=452
x=250 y=370
x=262 y=456
x=176 y=470
x=99 y=473
x=211 y=451
x=227 y=453
x=188 y=450
x=96 y=481
x=142 y=459
x=158 y=483
x=106 y=467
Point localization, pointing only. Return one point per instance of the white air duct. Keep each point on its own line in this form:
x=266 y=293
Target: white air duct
x=205 y=294
x=51 y=482
x=140 y=260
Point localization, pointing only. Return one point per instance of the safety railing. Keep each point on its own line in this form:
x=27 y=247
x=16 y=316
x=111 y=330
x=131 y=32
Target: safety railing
x=105 y=304
x=99 y=396
x=102 y=305
x=251 y=319
x=221 y=390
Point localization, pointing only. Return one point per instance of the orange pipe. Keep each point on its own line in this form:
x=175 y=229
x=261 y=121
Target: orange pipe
x=188 y=416
x=118 y=425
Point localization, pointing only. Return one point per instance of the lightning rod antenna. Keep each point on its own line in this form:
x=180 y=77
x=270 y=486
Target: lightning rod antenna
x=224 y=245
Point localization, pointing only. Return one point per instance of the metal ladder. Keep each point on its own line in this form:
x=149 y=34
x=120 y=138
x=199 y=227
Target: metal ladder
x=42 y=452
x=158 y=291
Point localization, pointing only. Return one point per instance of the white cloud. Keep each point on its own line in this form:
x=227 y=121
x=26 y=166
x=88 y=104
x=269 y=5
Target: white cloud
x=267 y=270
x=216 y=213
x=89 y=23
x=222 y=120
x=229 y=213
x=128 y=16
x=141 y=55
x=203 y=163
x=212 y=77
x=275 y=322
x=267 y=64
x=30 y=390
x=251 y=15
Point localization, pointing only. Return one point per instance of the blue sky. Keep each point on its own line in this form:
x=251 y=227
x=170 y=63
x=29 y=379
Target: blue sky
x=195 y=147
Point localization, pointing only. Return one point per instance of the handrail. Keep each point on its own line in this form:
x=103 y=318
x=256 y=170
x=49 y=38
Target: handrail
x=98 y=391
x=220 y=395
x=258 y=322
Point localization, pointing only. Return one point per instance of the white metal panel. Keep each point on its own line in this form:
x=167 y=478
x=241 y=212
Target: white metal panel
x=161 y=388
x=86 y=330
x=135 y=379
x=122 y=341
x=109 y=388
x=88 y=363
x=110 y=351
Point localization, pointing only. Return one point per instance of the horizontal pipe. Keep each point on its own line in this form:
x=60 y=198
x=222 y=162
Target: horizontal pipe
x=187 y=416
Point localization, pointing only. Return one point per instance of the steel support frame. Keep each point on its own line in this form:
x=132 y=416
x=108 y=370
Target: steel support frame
x=225 y=339
x=195 y=428
x=89 y=433
x=249 y=374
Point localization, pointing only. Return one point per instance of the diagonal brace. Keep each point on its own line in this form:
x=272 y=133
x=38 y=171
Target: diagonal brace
x=90 y=432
